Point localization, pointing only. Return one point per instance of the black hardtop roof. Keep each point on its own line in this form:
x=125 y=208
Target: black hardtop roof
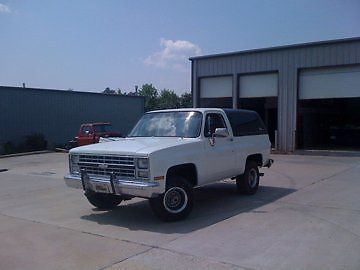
x=240 y=111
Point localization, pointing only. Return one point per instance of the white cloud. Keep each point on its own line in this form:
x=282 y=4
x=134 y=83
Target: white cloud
x=174 y=54
x=4 y=9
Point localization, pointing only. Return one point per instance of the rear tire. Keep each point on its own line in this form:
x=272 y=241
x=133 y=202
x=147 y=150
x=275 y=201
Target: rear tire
x=177 y=201
x=103 y=201
x=248 y=183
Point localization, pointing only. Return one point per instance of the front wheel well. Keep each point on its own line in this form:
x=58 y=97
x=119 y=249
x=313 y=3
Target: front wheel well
x=257 y=158
x=188 y=171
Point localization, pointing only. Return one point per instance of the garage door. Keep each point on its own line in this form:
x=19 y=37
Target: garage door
x=258 y=85
x=340 y=82
x=216 y=87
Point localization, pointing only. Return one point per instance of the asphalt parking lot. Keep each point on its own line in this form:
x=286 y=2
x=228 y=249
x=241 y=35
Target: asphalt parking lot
x=306 y=215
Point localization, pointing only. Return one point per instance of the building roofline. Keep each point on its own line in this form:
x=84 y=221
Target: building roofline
x=71 y=92
x=275 y=48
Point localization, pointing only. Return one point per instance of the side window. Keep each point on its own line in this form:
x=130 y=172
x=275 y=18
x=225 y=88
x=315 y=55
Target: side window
x=99 y=128
x=244 y=124
x=212 y=122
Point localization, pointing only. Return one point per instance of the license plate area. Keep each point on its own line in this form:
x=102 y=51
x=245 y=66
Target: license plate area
x=101 y=187
x=95 y=186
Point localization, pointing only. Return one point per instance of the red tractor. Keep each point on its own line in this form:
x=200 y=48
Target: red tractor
x=91 y=133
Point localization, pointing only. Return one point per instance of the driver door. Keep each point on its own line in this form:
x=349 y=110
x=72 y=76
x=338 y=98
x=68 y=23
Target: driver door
x=220 y=152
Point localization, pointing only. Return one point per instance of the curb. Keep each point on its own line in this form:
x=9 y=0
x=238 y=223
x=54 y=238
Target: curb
x=61 y=150
x=25 y=154
x=328 y=153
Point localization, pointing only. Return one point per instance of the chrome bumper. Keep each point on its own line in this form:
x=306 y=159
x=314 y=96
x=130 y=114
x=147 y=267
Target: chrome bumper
x=116 y=186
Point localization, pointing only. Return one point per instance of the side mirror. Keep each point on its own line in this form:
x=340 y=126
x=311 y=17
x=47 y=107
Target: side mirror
x=221 y=132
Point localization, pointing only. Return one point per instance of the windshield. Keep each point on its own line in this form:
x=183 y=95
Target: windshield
x=168 y=124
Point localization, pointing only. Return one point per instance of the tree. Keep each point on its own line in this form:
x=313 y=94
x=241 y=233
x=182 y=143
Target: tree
x=109 y=91
x=186 y=100
x=168 y=100
x=121 y=93
x=151 y=94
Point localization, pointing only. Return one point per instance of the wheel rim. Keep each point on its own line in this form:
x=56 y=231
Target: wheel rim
x=175 y=200
x=253 y=178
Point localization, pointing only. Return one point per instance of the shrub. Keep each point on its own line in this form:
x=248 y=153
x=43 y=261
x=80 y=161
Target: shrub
x=9 y=148
x=35 y=142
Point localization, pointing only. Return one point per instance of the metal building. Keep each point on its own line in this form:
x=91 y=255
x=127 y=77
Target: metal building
x=307 y=94
x=58 y=114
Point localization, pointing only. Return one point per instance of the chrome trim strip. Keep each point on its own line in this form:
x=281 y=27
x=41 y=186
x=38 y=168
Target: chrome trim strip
x=114 y=164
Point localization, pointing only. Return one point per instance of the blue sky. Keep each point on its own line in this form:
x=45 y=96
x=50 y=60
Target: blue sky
x=90 y=45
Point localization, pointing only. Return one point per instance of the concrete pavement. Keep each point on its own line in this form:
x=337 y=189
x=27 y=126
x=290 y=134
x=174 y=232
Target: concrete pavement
x=306 y=215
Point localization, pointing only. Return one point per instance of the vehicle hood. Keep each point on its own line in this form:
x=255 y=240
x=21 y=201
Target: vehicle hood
x=131 y=146
x=109 y=134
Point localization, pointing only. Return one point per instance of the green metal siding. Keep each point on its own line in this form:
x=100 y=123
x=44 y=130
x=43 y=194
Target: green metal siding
x=58 y=114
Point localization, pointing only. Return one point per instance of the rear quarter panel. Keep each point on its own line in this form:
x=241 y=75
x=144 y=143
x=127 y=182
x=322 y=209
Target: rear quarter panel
x=249 y=145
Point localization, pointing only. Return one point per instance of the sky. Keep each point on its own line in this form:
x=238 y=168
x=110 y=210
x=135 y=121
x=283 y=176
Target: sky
x=88 y=45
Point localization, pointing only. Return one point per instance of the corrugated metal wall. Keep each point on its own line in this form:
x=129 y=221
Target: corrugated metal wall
x=287 y=61
x=58 y=114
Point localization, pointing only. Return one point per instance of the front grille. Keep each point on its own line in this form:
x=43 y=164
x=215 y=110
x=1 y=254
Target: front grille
x=121 y=166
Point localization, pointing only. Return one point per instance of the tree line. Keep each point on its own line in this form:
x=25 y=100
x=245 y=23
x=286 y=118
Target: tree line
x=155 y=99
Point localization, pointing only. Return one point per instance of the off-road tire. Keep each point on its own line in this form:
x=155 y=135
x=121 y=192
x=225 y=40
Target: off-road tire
x=103 y=201
x=248 y=183
x=177 y=201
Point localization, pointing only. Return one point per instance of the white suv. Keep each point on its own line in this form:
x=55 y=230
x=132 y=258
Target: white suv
x=167 y=154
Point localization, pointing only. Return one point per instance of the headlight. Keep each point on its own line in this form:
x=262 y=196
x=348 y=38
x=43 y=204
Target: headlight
x=74 y=166
x=74 y=159
x=143 y=163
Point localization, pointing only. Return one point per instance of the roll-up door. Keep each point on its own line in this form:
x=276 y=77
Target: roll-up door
x=216 y=87
x=258 y=85
x=339 y=82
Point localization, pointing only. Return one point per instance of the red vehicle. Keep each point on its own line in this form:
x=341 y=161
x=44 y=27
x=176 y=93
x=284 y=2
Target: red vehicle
x=91 y=133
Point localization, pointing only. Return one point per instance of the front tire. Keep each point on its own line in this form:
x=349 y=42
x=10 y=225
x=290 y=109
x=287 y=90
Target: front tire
x=177 y=201
x=103 y=201
x=248 y=183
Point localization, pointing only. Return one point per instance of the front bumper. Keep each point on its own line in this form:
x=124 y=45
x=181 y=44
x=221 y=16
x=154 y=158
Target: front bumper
x=116 y=186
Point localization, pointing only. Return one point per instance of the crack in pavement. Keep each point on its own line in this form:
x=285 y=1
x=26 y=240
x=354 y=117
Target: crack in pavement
x=149 y=247
x=292 y=180
x=330 y=176
x=318 y=206
x=74 y=230
x=305 y=212
x=122 y=260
